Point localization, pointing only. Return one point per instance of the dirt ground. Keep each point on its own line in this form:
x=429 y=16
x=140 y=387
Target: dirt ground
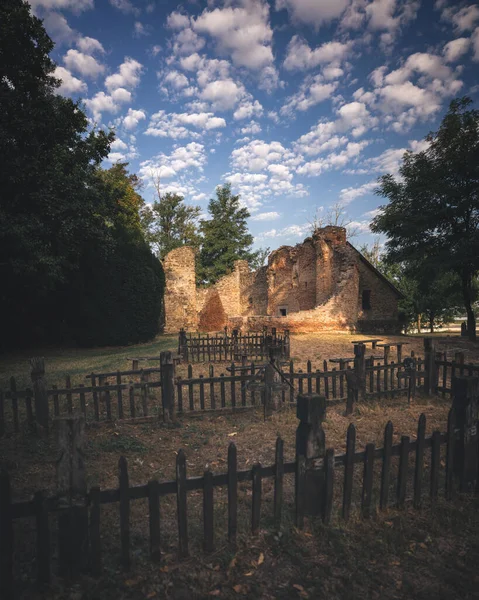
x=401 y=554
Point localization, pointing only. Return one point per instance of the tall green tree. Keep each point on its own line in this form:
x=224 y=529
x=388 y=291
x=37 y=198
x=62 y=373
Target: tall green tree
x=433 y=209
x=169 y=223
x=61 y=216
x=225 y=236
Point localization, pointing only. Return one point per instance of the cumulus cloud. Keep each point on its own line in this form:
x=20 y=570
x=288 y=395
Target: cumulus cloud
x=335 y=160
x=242 y=32
x=127 y=77
x=223 y=94
x=89 y=45
x=475 y=44
x=454 y=49
x=352 y=118
x=312 y=91
x=266 y=216
x=58 y=28
x=313 y=12
x=262 y=170
x=463 y=19
x=84 y=64
x=182 y=125
x=73 y=5
x=300 y=56
x=183 y=158
x=101 y=103
x=140 y=30
x=133 y=118
x=125 y=6
x=70 y=84
x=347 y=195
x=248 y=109
x=251 y=129
x=415 y=91
x=290 y=232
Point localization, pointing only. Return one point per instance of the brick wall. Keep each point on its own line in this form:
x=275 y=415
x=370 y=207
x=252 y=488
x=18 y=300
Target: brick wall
x=319 y=284
x=180 y=290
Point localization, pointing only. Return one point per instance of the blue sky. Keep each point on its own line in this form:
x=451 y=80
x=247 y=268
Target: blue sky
x=300 y=104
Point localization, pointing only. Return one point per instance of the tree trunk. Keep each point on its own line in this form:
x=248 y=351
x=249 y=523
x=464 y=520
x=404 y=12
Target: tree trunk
x=467 y=295
x=418 y=321
x=431 y=323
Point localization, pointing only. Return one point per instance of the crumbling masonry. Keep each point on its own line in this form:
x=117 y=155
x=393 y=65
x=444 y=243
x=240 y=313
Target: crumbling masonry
x=322 y=284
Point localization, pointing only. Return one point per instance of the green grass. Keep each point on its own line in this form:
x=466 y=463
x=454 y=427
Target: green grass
x=77 y=362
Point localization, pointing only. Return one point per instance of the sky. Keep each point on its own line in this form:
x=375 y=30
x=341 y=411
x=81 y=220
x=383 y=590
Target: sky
x=299 y=104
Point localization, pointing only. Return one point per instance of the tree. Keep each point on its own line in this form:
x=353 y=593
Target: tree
x=336 y=216
x=61 y=216
x=169 y=223
x=433 y=210
x=225 y=236
x=260 y=258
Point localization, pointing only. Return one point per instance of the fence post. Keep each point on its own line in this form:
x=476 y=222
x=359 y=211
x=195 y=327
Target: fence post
x=40 y=394
x=310 y=443
x=430 y=367
x=167 y=386
x=287 y=344
x=360 y=370
x=465 y=402
x=71 y=490
x=182 y=344
x=6 y=538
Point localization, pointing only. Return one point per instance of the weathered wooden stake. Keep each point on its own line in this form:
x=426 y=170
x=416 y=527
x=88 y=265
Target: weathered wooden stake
x=465 y=402
x=310 y=443
x=40 y=394
x=167 y=367
x=431 y=371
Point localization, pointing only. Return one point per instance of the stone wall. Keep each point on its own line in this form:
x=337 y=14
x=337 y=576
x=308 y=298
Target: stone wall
x=180 y=290
x=313 y=286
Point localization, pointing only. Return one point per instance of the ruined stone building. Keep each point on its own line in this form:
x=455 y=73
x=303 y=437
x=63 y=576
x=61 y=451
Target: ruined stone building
x=322 y=284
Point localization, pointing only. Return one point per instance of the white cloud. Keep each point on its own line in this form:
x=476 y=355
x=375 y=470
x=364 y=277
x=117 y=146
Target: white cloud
x=312 y=91
x=176 y=79
x=133 y=118
x=177 y=125
x=89 y=45
x=290 y=232
x=128 y=76
x=464 y=19
x=313 y=12
x=347 y=195
x=183 y=158
x=121 y=95
x=266 y=216
x=300 y=56
x=125 y=6
x=70 y=84
x=415 y=91
x=454 y=49
x=118 y=144
x=335 y=160
x=58 y=28
x=247 y=109
x=187 y=41
x=242 y=32
x=73 y=5
x=251 y=129
x=100 y=103
x=83 y=63
x=177 y=20
x=475 y=44
x=223 y=94
x=140 y=30
x=199 y=197
x=325 y=136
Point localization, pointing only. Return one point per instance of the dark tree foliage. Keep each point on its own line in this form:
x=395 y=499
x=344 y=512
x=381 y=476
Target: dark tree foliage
x=55 y=225
x=225 y=236
x=433 y=211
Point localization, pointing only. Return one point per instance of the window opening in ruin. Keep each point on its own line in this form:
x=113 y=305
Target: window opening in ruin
x=283 y=312
x=305 y=284
x=366 y=299
x=250 y=301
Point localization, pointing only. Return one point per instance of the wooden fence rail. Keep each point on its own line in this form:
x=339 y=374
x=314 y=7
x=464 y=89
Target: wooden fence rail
x=427 y=479
x=103 y=400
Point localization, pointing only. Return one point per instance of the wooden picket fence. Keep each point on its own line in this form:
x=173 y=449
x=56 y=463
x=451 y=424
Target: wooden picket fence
x=220 y=347
x=388 y=479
